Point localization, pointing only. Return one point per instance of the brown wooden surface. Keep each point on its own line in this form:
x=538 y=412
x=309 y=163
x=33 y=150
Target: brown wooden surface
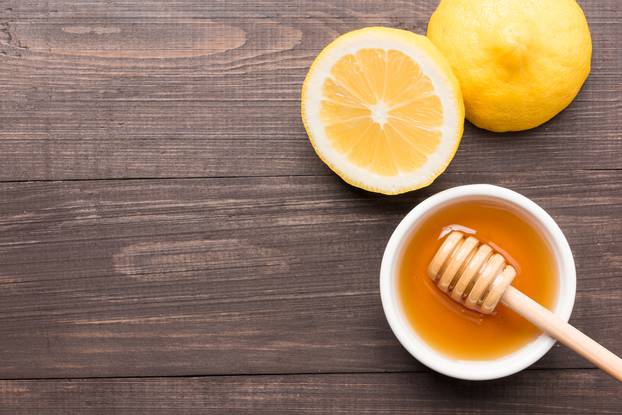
x=162 y=216
x=530 y=392
x=210 y=88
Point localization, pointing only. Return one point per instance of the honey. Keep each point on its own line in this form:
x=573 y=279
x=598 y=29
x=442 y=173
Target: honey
x=453 y=329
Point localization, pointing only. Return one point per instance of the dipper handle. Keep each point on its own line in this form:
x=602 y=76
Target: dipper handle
x=563 y=332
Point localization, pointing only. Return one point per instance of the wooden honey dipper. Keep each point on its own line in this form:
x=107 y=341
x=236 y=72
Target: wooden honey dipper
x=475 y=275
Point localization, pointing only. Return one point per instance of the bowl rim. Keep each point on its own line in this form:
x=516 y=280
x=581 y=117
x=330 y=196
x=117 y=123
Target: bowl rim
x=474 y=369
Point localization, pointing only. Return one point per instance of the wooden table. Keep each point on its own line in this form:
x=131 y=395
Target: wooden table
x=169 y=242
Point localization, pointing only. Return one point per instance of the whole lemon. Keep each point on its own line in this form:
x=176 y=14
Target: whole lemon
x=519 y=62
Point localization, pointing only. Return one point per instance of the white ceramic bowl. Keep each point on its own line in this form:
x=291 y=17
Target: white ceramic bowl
x=474 y=369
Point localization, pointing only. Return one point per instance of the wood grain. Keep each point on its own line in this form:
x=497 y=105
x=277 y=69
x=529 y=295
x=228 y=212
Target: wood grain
x=130 y=89
x=245 y=275
x=244 y=255
x=533 y=392
x=119 y=9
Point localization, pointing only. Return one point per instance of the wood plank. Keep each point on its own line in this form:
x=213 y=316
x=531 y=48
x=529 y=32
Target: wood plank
x=125 y=90
x=114 y=9
x=533 y=392
x=245 y=275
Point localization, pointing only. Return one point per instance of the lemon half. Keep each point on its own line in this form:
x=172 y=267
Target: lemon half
x=383 y=109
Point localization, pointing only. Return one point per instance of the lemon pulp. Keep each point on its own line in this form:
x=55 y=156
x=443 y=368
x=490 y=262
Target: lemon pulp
x=386 y=123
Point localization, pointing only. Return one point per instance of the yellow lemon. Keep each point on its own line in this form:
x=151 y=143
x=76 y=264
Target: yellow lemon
x=519 y=62
x=383 y=109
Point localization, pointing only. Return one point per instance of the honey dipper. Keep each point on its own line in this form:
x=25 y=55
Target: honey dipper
x=475 y=275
